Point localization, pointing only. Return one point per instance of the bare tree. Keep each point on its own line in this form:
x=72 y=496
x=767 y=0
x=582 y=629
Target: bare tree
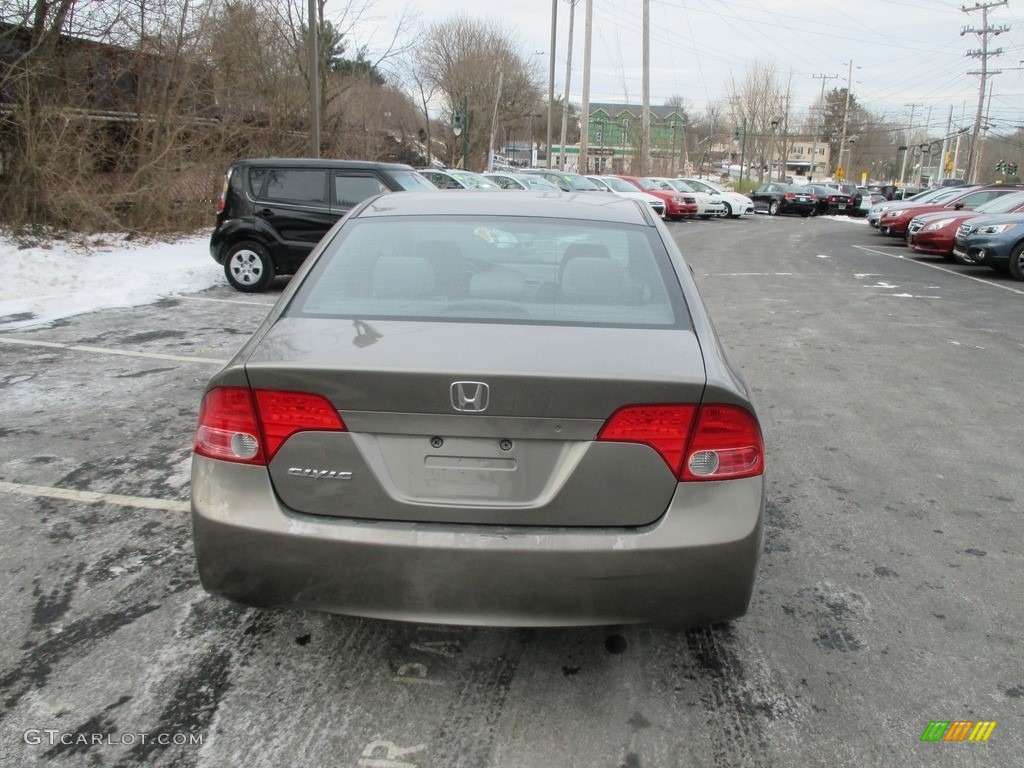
x=123 y=114
x=758 y=98
x=464 y=58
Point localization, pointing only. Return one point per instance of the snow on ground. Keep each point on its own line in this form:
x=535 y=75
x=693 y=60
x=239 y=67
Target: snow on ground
x=59 y=279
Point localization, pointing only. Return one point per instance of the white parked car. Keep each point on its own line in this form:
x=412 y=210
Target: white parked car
x=736 y=205
x=623 y=188
x=707 y=205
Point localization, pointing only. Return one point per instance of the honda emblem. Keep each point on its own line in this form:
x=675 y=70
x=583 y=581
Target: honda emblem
x=470 y=396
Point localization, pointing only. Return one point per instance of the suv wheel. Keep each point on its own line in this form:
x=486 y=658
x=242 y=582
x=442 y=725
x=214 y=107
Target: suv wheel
x=248 y=267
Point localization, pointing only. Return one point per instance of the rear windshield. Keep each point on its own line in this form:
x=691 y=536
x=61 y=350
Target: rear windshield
x=495 y=269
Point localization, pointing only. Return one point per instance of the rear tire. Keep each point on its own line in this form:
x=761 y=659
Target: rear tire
x=773 y=208
x=248 y=267
x=1016 y=264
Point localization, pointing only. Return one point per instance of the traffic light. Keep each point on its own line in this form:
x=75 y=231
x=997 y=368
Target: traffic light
x=736 y=133
x=1012 y=169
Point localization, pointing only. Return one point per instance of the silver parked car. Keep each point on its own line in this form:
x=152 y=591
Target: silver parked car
x=487 y=408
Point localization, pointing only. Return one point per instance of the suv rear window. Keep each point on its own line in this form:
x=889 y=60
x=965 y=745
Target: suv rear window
x=298 y=185
x=504 y=269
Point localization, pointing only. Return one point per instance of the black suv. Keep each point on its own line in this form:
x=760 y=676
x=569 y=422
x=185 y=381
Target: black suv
x=272 y=212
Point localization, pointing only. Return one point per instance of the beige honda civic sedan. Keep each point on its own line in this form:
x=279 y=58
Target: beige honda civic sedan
x=492 y=408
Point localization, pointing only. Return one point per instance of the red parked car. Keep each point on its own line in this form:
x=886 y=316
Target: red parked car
x=677 y=204
x=935 y=233
x=896 y=220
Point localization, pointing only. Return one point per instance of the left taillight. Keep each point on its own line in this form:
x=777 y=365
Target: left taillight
x=222 y=201
x=248 y=426
x=709 y=442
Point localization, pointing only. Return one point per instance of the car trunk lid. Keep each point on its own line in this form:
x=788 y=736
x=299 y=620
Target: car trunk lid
x=463 y=422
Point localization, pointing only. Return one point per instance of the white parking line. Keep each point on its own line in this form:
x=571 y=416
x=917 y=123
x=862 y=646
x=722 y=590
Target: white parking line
x=106 y=351
x=228 y=301
x=941 y=269
x=141 y=502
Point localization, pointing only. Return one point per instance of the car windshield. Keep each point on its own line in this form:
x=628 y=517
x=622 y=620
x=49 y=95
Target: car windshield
x=931 y=195
x=619 y=185
x=580 y=183
x=512 y=269
x=706 y=185
x=1002 y=204
x=680 y=185
x=535 y=182
x=473 y=180
x=410 y=181
x=657 y=184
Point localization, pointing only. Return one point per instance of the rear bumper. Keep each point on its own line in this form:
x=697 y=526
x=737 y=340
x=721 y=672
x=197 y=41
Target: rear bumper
x=694 y=566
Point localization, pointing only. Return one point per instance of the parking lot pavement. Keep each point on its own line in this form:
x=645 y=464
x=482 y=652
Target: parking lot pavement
x=888 y=594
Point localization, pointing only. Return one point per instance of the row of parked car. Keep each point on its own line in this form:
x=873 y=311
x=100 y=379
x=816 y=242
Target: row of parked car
x=669 y=198
x=974 y=225
x=827 y=198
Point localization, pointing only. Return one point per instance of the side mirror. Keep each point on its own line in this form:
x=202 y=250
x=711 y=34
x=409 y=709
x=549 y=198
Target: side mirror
x=958 y=206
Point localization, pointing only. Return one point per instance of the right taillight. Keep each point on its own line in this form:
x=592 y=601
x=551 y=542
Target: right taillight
x=726 y=444
x=249 y=426
x=709 y=442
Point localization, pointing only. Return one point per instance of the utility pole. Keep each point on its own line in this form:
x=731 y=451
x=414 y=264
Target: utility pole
x=588 y=25
x=821 y=123
x=924 y=147
x=568 y=79
x=945 y=145
x=846 y=115
x=984 y=135
x=314 y=80
x=959 y=135
x=784 y=154
x=645 y=119
x=906 y=152
x=494 y=124
x=551 y=81
x=982 y=53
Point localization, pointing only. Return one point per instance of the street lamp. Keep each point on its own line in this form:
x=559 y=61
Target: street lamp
x=599 y=122
x=460 y=127
x=672 y=160
x=775 y=123
x=849 y=158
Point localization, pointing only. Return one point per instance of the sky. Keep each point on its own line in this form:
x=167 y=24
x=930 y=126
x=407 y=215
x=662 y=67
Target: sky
x=903 y=51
